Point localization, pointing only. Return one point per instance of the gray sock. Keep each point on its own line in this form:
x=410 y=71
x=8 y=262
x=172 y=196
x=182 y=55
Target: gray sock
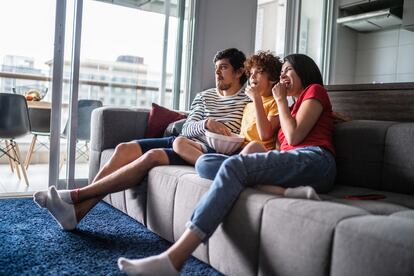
x=62 y=212
x=159 y=265
x=306 y=192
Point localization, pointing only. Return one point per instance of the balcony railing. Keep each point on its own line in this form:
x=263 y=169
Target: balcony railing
x=41 y=156
x=100 y=83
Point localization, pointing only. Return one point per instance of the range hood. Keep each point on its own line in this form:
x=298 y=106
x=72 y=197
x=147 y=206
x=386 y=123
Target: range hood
x=371 y=21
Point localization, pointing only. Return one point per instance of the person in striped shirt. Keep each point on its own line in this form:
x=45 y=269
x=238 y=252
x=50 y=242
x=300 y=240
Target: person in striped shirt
x=219 y=110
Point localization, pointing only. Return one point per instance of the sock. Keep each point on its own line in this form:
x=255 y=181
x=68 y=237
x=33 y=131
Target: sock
x=306 y=192
x=155 y=265
x=41 y=197
x=62 y=212
x=65 y=195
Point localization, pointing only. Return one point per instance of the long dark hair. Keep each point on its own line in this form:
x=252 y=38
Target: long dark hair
x=236 y=59
x=306 y=69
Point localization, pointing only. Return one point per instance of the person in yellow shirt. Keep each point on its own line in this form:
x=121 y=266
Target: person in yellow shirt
x=260 y=119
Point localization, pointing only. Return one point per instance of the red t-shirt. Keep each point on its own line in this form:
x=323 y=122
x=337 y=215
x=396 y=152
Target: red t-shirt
x=321 y=133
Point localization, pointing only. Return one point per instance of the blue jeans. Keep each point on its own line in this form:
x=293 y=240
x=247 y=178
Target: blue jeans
x=313 y=166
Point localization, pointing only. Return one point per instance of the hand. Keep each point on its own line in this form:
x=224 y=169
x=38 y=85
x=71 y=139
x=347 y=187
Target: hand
x=252 y=92
x=279 y=91
x=217 y=127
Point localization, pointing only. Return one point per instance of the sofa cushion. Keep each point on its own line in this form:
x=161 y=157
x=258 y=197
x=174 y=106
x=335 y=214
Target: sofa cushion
x=296 y=236
x=158 y=120
x=373 y=245
x=360 y=152
x=234 y=247
x=393 y=202
x=190 y=189
x=409 y=214
x=162 y=184
x=398 y=169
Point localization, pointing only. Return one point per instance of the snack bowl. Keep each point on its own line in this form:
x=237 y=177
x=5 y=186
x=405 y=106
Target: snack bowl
x=224 y=144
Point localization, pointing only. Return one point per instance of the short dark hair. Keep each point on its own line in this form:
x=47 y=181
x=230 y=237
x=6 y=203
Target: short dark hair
x=270 y=64
x=306 y=69
x=236 y=59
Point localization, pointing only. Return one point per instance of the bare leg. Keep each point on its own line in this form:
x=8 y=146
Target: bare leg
x=277 y=190
x=167 y=263
x=121 y=179
x=253 y=147
x=187 y=149
x=181 y=250
x=124 y=154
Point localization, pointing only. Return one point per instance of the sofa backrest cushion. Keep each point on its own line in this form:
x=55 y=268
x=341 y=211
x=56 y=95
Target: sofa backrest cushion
x=158 y=120
x=398 y=167
x=360 y=152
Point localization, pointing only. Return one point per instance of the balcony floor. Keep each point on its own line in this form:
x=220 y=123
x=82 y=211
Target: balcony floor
x=38 y=174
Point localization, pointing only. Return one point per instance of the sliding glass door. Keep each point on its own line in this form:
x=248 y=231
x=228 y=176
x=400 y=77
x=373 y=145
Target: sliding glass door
x=132 y=60
x=26 y=53
x=76 y=56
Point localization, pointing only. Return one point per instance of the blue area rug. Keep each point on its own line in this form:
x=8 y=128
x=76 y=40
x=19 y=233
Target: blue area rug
x=31 y=242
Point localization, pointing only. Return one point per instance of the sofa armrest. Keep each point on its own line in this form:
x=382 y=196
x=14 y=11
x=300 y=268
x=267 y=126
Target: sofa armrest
x=111 y=126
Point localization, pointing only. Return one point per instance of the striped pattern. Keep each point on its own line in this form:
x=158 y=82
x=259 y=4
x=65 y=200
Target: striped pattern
x=210 y=104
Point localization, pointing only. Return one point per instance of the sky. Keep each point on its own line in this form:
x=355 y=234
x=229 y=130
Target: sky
x=27 y=29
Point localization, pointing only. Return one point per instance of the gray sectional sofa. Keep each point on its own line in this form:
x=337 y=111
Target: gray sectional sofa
x=270 y=235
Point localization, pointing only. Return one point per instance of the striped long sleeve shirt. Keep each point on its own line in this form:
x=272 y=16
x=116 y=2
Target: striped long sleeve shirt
x=210 y=104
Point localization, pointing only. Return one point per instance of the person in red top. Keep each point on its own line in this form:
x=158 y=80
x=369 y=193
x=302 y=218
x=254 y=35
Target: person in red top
x=306 y=157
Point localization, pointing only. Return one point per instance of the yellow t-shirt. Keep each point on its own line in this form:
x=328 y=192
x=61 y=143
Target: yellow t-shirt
x=249 y=127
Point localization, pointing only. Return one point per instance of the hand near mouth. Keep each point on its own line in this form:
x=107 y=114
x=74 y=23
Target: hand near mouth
x=279 y=91
x=252 y=92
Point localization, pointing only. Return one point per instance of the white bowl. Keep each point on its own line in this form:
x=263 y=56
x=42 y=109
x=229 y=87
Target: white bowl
x=224 y=144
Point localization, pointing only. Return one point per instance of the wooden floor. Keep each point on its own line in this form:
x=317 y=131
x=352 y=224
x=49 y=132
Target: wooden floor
x=11 y=186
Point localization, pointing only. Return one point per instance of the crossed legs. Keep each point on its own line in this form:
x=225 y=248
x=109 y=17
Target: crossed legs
x=124 y=170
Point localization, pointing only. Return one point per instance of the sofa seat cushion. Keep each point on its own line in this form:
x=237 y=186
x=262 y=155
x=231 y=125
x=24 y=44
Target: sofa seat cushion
x=243 y=223
x=409 y=214
x=393 y=202
x=296 y=235
x=373 y=245
x=162 y=186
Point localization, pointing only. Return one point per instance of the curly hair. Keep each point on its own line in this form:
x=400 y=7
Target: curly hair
x=267 y=61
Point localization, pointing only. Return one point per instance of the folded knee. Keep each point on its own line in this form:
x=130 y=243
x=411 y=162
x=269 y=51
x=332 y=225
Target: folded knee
x=156 y=157
x=208 y=165
x=179 y=143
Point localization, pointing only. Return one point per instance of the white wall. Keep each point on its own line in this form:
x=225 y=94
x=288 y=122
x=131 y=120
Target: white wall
x=385 y=56
x=376 y=57
x=344 y=61
x=220 y=24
